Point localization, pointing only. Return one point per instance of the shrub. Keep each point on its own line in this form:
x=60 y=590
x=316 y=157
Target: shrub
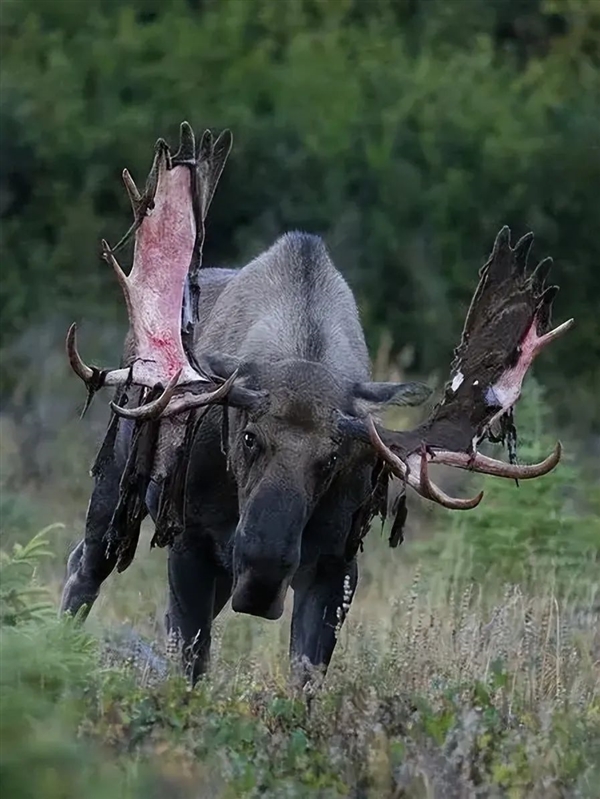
x=406 y=135
x=548 y=527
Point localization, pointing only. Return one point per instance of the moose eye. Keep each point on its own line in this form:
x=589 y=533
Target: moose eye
x=330 y=463
x=249 y=440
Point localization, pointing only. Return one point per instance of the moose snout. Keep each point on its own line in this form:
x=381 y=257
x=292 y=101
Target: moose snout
x=267 y=552
x=259 y=596
x=262 y=579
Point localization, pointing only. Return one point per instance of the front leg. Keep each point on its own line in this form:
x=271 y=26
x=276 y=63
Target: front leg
x=198 y=589
x=93 y=560
x=322 y=598
x=199 y=572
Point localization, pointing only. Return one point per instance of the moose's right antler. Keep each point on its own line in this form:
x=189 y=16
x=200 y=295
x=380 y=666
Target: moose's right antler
x=507 y=325
x=169 y=234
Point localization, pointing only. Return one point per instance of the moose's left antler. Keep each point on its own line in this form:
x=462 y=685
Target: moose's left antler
x=507 y=325
x=161 y=292
x=169 y=232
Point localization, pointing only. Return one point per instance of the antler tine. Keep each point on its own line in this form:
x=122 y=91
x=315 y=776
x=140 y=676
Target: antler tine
x=186 y=154
x=485 y=465
x=423 y=485
x=82 y=370
x=91 y=376
x=541 y=272
x=152 y=410
x=161 y=407
x=135 y=198
x=429 y=490
x=549 y=337
x=107 y=254
x=188 y=403
x=396 y=464
x=522 y=250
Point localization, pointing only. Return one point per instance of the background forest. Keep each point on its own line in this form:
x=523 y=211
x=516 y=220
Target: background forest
x=406 y=133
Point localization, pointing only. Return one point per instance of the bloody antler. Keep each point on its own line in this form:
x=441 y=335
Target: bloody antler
x=507 y=325
x=161 y=292
x=169 y=233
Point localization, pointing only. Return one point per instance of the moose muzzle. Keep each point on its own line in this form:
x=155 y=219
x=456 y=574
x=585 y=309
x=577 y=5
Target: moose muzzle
x=267 y=550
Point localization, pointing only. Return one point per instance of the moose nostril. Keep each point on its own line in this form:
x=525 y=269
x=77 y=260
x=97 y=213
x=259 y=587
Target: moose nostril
x=258 y=596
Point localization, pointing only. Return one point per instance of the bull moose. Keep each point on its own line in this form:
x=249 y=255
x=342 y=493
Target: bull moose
x=244 y=416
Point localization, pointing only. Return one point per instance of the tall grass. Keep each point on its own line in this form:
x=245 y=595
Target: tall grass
x=469 y=665
x=438 y=698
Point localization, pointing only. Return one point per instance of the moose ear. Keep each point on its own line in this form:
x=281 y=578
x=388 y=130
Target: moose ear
x=244 y=393
x=219 y=364
x=373 y=397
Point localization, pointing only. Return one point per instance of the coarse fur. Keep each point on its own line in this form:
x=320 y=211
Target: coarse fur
x=278 y=503
x=269 y=480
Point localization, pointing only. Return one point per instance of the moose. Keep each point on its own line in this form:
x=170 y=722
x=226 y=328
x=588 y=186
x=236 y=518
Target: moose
x=245 y=422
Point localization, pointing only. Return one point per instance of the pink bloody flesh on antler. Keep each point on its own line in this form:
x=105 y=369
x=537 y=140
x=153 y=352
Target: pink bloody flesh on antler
x=168 y=218
x=507 y=390
x=506 y=327
x=164 y=245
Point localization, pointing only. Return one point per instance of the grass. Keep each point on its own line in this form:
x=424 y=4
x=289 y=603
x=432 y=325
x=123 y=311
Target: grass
x=448 y=694
x=469 y=665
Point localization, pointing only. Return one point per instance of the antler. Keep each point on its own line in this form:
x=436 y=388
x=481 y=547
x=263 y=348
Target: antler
x=161 y=293
x=507 y=325
x=169 y=234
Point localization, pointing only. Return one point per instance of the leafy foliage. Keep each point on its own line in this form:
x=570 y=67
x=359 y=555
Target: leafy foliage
x=551 y=527
x=47 y=667
x=407 y=136
x=496 y=698
x=21 y=599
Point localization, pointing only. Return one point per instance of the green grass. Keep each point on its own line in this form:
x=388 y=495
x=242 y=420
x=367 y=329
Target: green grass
x=469 y=665
x=428 y=692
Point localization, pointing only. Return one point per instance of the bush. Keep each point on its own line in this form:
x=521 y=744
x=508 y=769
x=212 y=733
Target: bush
x=551 y=527
x=474 y=695
x=49 y=679
x=22 y=599
x=407 y=136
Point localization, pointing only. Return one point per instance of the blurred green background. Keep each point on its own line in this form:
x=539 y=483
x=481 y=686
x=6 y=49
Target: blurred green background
x=406 y=132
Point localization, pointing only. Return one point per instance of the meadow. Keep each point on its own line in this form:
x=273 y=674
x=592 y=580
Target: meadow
x=469 y=665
